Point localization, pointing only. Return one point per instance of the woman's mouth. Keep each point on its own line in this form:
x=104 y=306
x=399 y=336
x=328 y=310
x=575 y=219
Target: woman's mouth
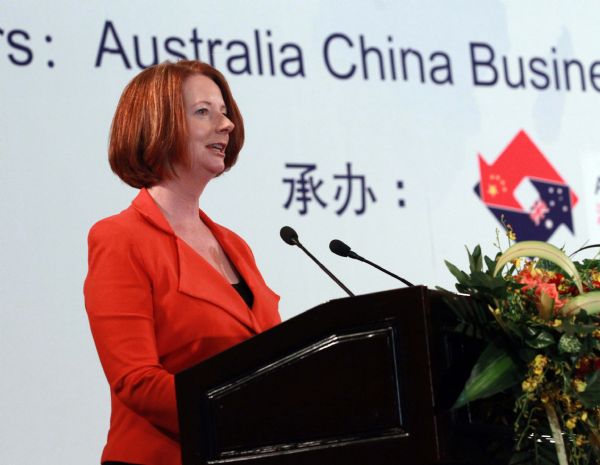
x=219 y=147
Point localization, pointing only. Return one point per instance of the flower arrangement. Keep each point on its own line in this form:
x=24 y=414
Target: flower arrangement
x=539 y=314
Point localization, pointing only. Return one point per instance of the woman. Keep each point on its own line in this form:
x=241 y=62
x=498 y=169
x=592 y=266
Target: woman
x=166 y=286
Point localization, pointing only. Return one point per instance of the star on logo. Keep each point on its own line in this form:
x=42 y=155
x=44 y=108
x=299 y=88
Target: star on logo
x=496 y=185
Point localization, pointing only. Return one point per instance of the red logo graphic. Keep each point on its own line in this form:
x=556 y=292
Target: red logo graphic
x=524 y=188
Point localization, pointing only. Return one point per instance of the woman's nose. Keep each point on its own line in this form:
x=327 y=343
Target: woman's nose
x=226 y=125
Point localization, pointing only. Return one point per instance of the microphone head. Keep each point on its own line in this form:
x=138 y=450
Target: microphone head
x=289 y=236
x=339 y=248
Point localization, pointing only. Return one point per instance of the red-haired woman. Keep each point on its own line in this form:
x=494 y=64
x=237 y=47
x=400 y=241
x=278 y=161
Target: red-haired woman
x=166 y=286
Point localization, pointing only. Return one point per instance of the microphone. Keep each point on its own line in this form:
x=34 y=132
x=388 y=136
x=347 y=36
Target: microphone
x=343 y=250
x=290 y=237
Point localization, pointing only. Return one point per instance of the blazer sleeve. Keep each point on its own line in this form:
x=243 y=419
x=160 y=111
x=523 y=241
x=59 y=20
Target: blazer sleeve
x=118 y=300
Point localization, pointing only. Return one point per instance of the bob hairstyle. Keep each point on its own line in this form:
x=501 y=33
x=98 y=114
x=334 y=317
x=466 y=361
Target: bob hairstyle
x=149 y=133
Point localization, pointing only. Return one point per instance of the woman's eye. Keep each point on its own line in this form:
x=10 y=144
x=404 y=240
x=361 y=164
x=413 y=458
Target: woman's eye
x=201 y=111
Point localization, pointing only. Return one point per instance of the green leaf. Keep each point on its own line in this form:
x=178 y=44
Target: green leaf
x=591 y=246
x=569 y=344
x=541 y=250
x=546 y=306
x=475 y=259
x=472 y=317
x=494 y=372
x=590 y=398
x=543 y=339
x=538 y=452
x=481 y=279
x=589 y=301
x=460 y=276
x=491 y=264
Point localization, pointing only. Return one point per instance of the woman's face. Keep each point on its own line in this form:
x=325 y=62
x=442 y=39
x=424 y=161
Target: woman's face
x=207 y=124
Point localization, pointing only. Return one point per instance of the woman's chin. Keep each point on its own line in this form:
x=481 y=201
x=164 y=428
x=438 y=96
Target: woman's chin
x=209 y=171
x=218 y=171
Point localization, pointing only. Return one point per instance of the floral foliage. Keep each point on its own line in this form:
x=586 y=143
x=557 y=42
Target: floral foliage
x=540 y=317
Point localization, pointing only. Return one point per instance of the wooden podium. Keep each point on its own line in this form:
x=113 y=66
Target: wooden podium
x=353 y=381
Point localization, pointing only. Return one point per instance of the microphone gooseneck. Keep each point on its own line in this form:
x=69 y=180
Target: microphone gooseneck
x=343 y=250
x=290 y=237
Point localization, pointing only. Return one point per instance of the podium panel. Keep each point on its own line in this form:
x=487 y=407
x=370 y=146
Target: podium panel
x=349 y=381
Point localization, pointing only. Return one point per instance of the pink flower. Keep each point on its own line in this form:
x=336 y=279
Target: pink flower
x=544 y=286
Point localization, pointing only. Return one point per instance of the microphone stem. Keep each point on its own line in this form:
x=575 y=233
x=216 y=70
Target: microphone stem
x=408 y=283
x=337 y=281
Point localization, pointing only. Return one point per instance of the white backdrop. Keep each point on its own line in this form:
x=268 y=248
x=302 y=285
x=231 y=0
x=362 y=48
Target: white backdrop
x=64 y=63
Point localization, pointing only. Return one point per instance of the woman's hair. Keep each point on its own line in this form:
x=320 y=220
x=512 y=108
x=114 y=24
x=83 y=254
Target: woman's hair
x=149 y=135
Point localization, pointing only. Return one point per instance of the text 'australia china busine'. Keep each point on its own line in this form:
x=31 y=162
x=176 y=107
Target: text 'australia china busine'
x=345 y=56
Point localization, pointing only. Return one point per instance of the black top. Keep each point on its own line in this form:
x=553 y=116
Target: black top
x=244 y=291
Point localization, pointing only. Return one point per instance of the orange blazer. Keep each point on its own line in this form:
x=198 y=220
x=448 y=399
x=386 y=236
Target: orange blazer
x=155 y=308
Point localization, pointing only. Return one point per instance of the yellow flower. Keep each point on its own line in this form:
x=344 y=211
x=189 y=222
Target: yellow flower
x=557 y=323
x=579 y=385
x=566 y=400
x=540 y=361
x=529 y=385
x=583 y=416
x=580 y=440
x=536 y=273
x=510 y=233
x=571 y=423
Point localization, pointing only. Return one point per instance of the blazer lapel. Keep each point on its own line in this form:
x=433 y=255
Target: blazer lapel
x=243 y=260
x=197 y=278
x=200 y=280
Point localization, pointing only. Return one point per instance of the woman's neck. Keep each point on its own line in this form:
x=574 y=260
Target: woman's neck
x=178 y=202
